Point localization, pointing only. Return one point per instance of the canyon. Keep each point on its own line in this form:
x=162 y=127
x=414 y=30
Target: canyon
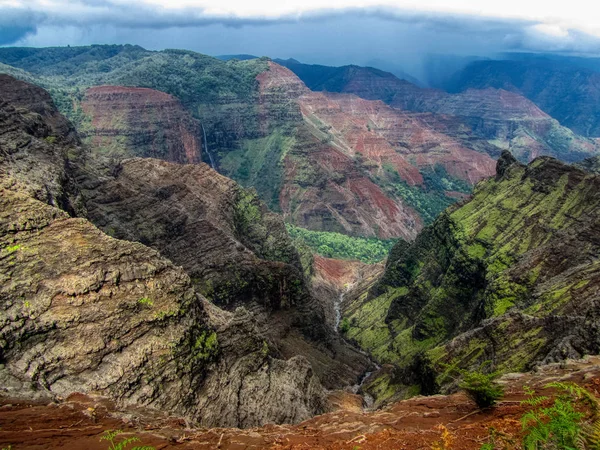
x=144 y=290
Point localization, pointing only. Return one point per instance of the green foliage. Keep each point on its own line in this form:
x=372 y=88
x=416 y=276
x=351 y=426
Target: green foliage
x=571 y=422
x=341 y=246
x=111 y=435
x=206 y=346
x=13 y=248
x=258 y=164
x=482 y=388
x=345 y=325
x=145 y=301
x=247 y=211
x=430 y=199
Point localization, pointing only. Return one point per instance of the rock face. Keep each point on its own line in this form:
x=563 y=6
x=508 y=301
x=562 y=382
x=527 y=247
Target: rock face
x=374 y=182
x=344 y=163
x=511 y=276
x=567 y=92
x=82 y=311
x=507 y=120
x=128 y=121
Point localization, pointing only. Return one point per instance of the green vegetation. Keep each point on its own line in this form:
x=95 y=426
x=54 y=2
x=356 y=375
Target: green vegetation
x=200 y=82
x=111 y=435
x=145 y=301
x=12 y=248
x=429 y=200
x=571 y=421
x=206 y=346
x=341 y=246
x=482 y=388
x=258 y=164
x=344 y=325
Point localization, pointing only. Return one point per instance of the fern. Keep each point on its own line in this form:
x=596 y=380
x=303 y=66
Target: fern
x=533 y=399
x=111 y=435
x=589 y=437
x=572 y=422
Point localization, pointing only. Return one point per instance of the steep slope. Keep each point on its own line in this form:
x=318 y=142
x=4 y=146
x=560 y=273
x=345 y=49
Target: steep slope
x=82 y=311
x=258 y=133
x=506 y=120
x=568 y=92
x=509 y=121
x=345 y=164
x=124 y=122
x=511 y=276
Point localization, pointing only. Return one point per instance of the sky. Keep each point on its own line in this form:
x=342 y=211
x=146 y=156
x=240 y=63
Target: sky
x=396 y=33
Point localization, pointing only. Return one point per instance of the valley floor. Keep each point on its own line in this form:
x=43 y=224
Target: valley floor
x=79 y=421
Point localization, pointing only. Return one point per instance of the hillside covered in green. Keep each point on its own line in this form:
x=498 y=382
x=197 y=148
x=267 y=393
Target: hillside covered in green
x=341 y=246
x=509 y=279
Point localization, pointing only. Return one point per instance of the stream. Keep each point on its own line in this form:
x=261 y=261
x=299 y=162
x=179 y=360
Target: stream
x=337 y=308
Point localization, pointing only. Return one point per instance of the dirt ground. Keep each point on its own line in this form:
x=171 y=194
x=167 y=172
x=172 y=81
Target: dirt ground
x=79 y=421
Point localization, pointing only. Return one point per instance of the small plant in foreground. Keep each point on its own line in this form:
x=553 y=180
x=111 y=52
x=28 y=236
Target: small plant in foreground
x=571 y=422
x=445 y=443
x=111 y=435
x=482 y=388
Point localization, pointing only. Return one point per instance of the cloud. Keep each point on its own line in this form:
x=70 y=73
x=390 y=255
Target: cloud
x=101 y=21
x=17 y=23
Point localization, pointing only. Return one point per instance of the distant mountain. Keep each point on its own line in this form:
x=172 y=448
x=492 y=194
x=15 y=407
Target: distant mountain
x=329 y=161
x=506 y=120
x=328 y=78
x=241 y=57
x=360 y=167
x=566 y=89
x=439 y=69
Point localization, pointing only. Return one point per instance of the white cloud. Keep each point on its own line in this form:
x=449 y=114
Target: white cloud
x=574 y=14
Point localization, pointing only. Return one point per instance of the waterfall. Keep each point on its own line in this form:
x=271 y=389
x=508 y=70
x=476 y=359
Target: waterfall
x=212 y=162
x=337 y=307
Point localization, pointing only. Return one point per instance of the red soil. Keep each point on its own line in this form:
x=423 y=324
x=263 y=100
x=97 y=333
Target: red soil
x=79 y=421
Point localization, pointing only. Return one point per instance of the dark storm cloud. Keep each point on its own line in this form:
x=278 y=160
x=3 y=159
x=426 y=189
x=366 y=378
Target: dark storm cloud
x=411 y=32
x=18 y=23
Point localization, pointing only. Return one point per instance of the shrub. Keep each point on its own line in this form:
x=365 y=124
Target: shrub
x=341 y=246
x=482 y=388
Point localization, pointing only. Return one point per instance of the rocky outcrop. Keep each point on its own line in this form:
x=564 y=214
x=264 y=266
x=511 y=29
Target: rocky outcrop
x=511 y=276
x=83 y=311
x=128 y=121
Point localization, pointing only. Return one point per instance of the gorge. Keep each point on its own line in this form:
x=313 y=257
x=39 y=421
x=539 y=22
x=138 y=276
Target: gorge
x=253 y=293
